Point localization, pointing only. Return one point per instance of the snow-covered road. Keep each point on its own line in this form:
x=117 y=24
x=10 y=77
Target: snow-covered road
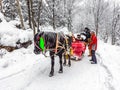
x=23 y=70
x=81 y=75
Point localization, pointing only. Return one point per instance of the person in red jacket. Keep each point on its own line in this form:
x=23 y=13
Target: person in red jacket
x=93 y=47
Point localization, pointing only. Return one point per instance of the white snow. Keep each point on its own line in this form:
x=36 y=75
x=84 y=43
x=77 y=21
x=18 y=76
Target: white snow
x=10 y=34
x=44 y=1
x=23 y=70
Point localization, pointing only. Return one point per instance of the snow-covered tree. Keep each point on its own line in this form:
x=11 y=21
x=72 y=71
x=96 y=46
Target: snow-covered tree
x=115 y=34
x=9 y=9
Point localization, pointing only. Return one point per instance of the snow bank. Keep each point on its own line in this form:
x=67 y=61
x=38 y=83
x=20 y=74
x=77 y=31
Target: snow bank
x=110 y=58
x=9 y=34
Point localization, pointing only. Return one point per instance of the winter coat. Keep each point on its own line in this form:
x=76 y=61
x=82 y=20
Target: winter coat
x=87 y=35
x=93 y=43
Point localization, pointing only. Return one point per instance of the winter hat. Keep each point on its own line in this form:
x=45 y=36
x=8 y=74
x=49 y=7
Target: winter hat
x=87 y=29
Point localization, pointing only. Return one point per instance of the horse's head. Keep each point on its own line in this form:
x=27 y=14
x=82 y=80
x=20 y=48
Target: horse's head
x=37 y=49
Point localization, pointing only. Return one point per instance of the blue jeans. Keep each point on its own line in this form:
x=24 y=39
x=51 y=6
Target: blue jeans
x=93 y=56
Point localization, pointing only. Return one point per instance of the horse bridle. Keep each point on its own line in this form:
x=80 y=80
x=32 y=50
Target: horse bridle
x=37 y=46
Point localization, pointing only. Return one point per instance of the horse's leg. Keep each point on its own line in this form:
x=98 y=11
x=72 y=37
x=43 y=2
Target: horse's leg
x=52 y=64
x=60 y=61
x=69 y=61
x=64 y=60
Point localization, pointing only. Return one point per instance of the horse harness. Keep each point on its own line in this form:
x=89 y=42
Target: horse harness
x=53 y=49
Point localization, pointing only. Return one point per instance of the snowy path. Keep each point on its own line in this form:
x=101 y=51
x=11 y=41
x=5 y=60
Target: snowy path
x=81 y=75
x=31 y=73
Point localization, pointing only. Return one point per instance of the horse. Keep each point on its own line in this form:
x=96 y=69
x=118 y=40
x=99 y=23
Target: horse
x=54 y=48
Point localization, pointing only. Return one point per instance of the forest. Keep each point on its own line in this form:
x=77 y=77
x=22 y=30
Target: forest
x=101 y=16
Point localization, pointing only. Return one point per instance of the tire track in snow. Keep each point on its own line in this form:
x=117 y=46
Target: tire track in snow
x=11 y=75
x=36 y=68
x=14 y=74
x=109 y=78
x=35 y=77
